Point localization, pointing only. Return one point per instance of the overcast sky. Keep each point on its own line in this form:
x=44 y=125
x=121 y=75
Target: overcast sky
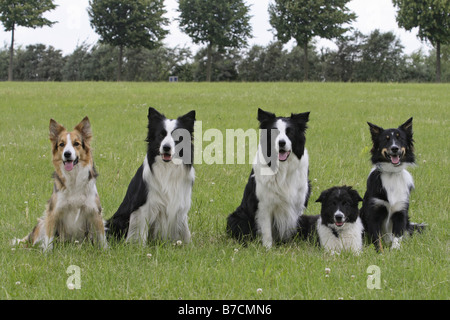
x=73 y=26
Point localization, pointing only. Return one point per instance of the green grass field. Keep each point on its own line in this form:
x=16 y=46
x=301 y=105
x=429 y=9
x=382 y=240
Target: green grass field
x=214 y=266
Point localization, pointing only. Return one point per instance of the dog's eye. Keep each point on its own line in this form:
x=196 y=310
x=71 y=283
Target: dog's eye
x=76 y=144
x=388 y=137
x=61 y=144
x=397 y=135
x=163 y=133
x=288 y=130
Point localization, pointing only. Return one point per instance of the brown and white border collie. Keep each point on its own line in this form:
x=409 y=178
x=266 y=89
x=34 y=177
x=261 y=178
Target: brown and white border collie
x=73 y=212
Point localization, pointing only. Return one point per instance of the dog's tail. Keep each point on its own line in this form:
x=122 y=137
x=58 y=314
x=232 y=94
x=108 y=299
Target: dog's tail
x=240 y=226
x=416 y=227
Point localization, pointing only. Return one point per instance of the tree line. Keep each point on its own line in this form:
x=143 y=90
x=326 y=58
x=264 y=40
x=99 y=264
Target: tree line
x=375 y=57
x=131 y=34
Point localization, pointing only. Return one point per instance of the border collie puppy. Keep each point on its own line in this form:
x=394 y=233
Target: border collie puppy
x=278 y=189
x=158 y=198
x=73 y=211
x=385 y=207
x=338 y=226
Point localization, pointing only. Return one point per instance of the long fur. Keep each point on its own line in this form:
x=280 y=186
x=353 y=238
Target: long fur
x=73 y=211
x=386 y=202
x=278 y=189
x=158 y=198
x=338 y=227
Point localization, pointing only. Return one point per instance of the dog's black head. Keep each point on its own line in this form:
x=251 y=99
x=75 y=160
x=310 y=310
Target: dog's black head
x=392 y=146
x=170 y=140
x=282 y=135
x=339 y=206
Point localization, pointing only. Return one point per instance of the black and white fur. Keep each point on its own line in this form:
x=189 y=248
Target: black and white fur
x=278 y=189
x=386 y=202
x=338 y=227
x=158 y=198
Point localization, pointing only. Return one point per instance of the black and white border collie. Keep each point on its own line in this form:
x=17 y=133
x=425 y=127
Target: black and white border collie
x=158 y=198
x=278 y=189
x=338 y=226
x=386 y=202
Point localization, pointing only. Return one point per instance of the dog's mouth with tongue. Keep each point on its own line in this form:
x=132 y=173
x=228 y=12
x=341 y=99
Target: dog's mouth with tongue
x=394 y=158
x=283 y=155
x=167 y=157
x=69 y=164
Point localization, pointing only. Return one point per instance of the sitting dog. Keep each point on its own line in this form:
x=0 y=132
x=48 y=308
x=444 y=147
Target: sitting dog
x=158 y=198
x=338 y=227
x=73 y=212
x=386 y=202
x=278 y=189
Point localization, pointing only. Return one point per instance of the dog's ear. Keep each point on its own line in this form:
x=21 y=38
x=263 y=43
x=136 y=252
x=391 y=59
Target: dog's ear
x=301 y=117
x=85 y=128
x=323 y=195
x=55 y=130
x=188 y=120
x=190 y=116
x=153 y=114
x=354 y=194
x=374 y=130
x=407 y=126
x=264 y=115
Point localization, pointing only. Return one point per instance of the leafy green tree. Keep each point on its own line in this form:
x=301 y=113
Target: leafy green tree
x=303 y=20
x=221 y=23
x=128 y=24
x=273 y=63
x=39 y=63
x=381 y=58
x=224 y=66
x=432 y=17
x=24 y=13
x=77 y=66
x=340 y=65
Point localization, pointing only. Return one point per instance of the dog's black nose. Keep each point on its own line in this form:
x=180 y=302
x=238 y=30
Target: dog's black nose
x=339 y=217
x=281 y=143
x=166 y=148
x=394 y=149
x=67 y=154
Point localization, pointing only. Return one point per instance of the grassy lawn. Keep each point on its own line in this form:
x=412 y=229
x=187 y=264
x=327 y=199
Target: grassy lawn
x=214 y=266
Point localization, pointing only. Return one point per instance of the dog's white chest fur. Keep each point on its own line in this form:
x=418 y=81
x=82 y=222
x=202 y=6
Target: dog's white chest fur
x=397 y=184
x=76 y=203
x=164 y=214
x=349 y=236
x=281 y=198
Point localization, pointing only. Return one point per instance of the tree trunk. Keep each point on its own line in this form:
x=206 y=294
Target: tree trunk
x=438 y=61
x=11 y=55
x=119 y=66
x=305 y=61
x=209 y=63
